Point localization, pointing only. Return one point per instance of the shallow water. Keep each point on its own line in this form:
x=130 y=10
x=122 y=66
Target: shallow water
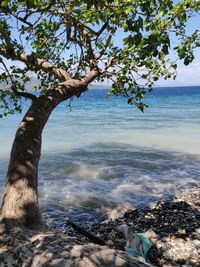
x=105 y=155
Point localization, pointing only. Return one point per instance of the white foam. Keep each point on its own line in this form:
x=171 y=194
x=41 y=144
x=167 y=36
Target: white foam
x=88 y=171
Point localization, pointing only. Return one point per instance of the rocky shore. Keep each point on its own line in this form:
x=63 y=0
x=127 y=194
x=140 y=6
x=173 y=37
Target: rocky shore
x=173 y=228
x=25 y=248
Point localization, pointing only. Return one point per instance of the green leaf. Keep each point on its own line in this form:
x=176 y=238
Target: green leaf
x=130 y=101
x=88 y=29
x=165 y=49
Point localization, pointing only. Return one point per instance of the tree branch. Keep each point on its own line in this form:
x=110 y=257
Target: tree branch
x=13 y=86
x=38 y=63
x=90 y=236
x=18 y=17
x=71 y=18
x=89 y=50
x=91 y=76
x=102 y=29
x=109 y=63
x=106 y=44
x=22 y=94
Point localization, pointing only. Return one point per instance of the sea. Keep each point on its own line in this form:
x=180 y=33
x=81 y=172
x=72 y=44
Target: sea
x=101 y=156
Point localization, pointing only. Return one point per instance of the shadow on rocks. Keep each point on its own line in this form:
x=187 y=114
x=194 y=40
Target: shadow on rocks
x=32 y=249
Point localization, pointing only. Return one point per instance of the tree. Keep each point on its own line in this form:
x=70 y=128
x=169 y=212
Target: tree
x=67 y=45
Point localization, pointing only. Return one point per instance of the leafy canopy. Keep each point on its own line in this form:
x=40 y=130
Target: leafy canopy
x=126 y=41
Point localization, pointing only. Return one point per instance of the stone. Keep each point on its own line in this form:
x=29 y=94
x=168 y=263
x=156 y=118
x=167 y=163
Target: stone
x=85 y=262
x=32 y=249
x=76 y=251
x=197 y=231
x=197 y=243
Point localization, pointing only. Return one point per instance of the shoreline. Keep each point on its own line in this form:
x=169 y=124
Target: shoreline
x=173 y=228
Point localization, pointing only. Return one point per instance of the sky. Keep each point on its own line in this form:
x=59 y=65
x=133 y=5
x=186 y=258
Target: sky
x=186 y=75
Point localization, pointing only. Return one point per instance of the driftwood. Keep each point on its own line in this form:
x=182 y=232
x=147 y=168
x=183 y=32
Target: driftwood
x=87 y=234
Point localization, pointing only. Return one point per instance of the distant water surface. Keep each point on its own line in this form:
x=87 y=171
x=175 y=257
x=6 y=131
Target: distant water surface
x=104 y=154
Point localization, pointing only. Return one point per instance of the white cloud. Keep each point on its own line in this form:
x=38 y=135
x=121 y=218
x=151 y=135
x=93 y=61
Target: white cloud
x=186 y=75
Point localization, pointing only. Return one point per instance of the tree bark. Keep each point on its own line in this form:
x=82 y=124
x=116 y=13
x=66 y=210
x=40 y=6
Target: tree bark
x=20 y=203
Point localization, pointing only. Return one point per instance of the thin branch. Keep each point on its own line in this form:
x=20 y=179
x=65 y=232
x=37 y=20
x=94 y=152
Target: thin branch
x=70 y=17
x=2 y=69
x=23 y=94
x=6 y=69
x=106 y=44
x=13 y=86
x=21 y=19
x=85 y=34
x=90 y=236
x=102 y=29
x=24 y=20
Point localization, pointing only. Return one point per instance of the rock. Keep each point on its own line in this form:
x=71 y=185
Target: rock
x=181 y=231
x=76 y=251
x=173 y=227
x=150 y=234
x=197 y=231
x=197 y=243
x=31 y=249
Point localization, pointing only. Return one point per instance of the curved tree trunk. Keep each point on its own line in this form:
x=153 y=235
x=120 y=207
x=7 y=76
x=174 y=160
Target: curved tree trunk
x=20 y=202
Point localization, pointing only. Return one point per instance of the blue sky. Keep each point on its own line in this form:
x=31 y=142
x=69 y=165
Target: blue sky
x=186 y=75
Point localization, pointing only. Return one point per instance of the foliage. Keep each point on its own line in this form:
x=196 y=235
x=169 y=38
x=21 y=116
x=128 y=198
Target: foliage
x=78 y=36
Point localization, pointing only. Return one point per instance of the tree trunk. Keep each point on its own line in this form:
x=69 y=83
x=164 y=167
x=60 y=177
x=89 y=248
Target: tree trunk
x=20 y=202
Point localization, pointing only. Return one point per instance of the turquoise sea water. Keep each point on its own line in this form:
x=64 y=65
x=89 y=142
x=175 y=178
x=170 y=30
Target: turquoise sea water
x=105 y=155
